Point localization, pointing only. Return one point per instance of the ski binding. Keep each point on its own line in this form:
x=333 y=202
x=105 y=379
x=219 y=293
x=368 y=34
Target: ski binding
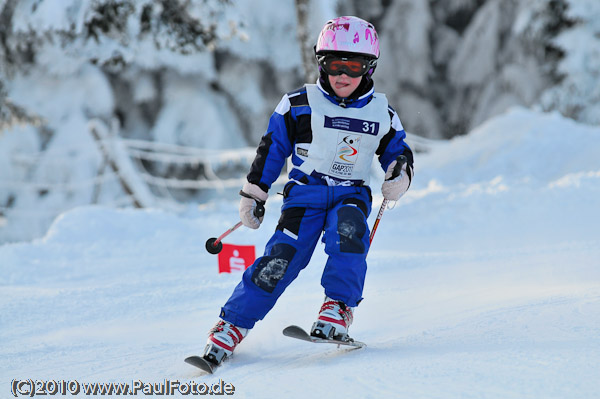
x=212 y=358
x=300 y=333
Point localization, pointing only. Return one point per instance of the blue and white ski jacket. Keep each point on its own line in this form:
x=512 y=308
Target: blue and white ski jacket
x=331 y=141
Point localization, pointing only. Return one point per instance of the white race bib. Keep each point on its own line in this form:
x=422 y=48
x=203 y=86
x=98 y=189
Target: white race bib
x=344 y=140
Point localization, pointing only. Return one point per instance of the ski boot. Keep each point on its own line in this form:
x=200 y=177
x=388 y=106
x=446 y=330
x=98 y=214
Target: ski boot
x=334 y=320
x=222 y=340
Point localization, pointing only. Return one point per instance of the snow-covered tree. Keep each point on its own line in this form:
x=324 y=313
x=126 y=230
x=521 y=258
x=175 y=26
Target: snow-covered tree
x=578 y=93
x=449 y=65
x=208 y=74
x=12 y=114
x=67 y=62
x=198 y=73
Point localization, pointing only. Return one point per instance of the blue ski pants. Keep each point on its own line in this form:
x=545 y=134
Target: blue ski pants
x=341 y=214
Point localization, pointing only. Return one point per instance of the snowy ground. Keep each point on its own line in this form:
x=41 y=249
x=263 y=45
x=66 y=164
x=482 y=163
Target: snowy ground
x=484 y=282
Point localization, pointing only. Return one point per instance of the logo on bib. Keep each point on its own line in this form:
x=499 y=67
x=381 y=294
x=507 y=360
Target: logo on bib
x=346 y=155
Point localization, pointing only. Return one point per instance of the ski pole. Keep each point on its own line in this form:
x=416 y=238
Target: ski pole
x=400 y=161
x=214 y=244
x=379 y=215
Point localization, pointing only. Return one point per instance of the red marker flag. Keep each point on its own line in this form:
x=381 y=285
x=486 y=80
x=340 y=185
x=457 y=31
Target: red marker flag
x=236 y=258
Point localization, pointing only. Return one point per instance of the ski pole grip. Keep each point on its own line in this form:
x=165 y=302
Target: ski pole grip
x=259 y=211
x=400 y=161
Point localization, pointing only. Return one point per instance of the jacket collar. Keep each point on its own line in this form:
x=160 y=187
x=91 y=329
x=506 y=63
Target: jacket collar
x=349 y=102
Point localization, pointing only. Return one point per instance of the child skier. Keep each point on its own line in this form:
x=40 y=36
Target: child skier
x=332 y=129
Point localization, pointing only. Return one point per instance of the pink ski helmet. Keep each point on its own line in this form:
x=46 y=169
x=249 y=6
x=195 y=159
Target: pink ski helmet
x=348 y=35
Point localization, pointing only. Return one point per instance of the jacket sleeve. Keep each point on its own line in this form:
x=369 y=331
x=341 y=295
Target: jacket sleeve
x=393 y=145
x=274 y=148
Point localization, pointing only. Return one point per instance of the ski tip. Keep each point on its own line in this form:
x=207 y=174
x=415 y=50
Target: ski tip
x=295 y=332
x=293 y=328
x=201 y=363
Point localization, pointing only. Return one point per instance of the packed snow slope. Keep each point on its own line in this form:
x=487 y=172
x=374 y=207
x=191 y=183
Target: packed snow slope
x=483 y=282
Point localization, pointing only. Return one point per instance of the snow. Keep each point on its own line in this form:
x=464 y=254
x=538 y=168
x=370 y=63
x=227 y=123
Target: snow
x=266 y=31
x=578 y=94
x=213 y=128
x=70 y=160
x=483 y=282
x=50 y=14
x=481 y=43
x=445 y=67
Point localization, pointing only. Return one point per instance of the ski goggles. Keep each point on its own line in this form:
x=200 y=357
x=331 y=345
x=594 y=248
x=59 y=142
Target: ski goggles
x=352 y=66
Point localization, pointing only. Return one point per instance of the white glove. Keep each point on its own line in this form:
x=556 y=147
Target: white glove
x=395 y=188
x=252 y=195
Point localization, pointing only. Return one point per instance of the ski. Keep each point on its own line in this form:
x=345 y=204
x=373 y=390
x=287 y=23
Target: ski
x=202 y=364
x=290 y=331
x=300 y=333
x=212 y=358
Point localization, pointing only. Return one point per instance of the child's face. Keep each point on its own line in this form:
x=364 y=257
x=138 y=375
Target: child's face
x=343 y=85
